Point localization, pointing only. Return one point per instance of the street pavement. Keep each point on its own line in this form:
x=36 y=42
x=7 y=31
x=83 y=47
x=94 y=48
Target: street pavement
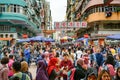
x=32 y=69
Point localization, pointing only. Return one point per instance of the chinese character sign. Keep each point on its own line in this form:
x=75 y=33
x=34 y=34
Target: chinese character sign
x=57 y=25
x=70 y=24
x=84 y=24
x=67 y=25
x=64 y=24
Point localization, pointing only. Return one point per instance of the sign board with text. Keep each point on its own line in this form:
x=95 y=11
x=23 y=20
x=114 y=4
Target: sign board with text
x=68 y=25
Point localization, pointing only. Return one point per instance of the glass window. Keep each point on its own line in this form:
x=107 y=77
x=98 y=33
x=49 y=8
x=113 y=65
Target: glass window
x=11 y=35
x=18 y=9
x=103 y=9
x=12 y=8
x=6 y=35
x=1 y=35
x=21 y=10
x=2 y=8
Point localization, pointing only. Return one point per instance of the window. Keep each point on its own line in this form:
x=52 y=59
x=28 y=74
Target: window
x=1 y=35
x=18 y=9
x=12 y=8
x=2 y=8
x=6 y=35
x=5 y=28
x=11 y=35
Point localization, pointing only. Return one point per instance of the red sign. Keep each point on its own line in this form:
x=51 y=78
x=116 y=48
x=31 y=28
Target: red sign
x=83 y=24
x=77 y=24
x=69 y=25
x=57 y=25
x=64 y=24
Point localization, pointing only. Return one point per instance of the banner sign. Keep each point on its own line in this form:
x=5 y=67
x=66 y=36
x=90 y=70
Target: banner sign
x=68 y=25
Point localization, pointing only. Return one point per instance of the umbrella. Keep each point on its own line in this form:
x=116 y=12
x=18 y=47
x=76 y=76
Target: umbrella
x=80 y=39
x=37 y=38
x=24 y=40
x=49 y=40
x=115 y=37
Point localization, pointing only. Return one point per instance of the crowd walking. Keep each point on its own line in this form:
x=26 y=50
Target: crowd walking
x=75 y=62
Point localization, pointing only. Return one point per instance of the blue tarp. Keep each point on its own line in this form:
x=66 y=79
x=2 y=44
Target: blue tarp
x=115 y=37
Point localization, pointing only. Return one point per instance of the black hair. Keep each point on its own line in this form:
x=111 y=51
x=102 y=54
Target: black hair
x=11 y=56
x=4 y=60
x=16 y=66
x=110 y=60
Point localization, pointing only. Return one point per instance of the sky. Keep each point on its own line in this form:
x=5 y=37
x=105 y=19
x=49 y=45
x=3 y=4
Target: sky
x=58 y=9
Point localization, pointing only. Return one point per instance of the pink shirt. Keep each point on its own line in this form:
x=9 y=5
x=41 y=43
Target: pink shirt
x=10 y=67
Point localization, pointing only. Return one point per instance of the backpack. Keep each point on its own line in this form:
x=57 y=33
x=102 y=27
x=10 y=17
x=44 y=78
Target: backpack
x=71 y=74
x=110 y=69
x=18 y=78
x=23 y=76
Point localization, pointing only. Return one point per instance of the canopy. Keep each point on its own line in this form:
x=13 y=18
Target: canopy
x=80 y=39
x=115 y=37
x=49 y=40
x=24 y=40
x=37 y=38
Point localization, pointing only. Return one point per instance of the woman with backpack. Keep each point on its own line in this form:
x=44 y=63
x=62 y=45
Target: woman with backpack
x=109 y=66
x=24 y=69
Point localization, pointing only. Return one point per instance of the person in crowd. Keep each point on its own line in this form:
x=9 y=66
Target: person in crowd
x=79 y=53
x=117 y=61
x=81 y=70
x=41 y=71
x=86 y=59
x=112 y=50
x=27 y=54
x=11 y=61
x=4 y=69
x=52 y=69
x=24 y=69
x=16 y=67
x=104 y=75
x=91 y=73
x=99 y=58
x=109 y=65
x=92 y=76
x=92 y=58
x=117 y=77
x=21 y=56
x=67 y=64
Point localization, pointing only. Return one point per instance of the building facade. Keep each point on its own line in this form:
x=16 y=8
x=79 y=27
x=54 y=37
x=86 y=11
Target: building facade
x=102 y=17
x=21 y=18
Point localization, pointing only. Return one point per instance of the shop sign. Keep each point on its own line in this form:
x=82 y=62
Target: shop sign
x=68 y=25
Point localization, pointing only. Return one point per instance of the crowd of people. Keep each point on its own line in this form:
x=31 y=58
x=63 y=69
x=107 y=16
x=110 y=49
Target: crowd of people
x=56 y=63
